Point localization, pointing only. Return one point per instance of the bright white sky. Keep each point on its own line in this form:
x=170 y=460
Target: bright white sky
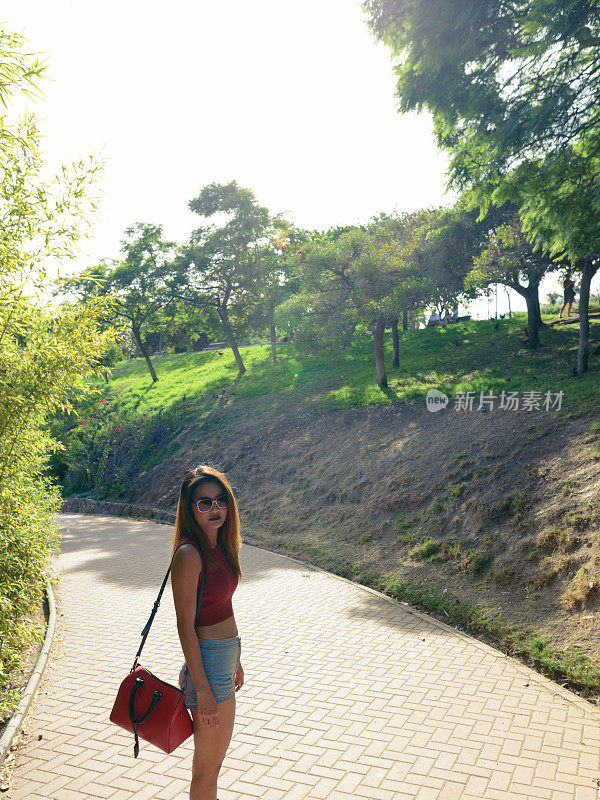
x=292 y=100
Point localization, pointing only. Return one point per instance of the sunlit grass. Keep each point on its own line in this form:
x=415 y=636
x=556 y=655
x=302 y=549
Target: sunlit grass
x=468 y=357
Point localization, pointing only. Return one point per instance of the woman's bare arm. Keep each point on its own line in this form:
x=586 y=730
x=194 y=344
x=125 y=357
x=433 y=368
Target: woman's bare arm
x=185 y=571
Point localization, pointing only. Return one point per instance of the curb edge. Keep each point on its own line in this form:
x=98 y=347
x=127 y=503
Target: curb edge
x=16 y=721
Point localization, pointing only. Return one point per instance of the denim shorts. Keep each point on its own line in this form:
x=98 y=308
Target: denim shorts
x=220 y=658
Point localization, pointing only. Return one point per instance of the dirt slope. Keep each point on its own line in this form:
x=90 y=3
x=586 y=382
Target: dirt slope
x=503 y=505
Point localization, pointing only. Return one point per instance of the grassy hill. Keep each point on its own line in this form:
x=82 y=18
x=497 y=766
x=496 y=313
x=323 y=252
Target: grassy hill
x=469 y=356
x=487 y=520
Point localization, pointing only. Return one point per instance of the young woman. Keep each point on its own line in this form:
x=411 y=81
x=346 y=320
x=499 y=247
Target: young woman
x=207 y=537
x=569 y=294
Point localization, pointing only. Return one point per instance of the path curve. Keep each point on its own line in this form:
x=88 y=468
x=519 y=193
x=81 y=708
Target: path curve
x=348 y=694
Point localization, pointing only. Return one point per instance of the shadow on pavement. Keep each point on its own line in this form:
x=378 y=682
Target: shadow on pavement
x=132 y=553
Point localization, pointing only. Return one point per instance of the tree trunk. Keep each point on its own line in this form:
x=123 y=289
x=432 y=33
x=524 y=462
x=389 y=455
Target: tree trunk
x=273 y=342
x=531 y=293
x=589 y=270
x=142 y=349
x=224 y=317
x=538 y=313
x=379 y=359
x=396 y=356
x=405 y=320
x=508 y=298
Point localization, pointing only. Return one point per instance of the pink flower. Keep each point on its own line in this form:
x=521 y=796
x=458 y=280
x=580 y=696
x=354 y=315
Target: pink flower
x=117 y=429
x=82 y=421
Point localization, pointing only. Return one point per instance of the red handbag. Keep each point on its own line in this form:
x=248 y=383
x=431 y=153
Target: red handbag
x=150 y=708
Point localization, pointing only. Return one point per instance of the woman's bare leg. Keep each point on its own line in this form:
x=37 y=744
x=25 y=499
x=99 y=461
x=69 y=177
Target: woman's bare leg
x=210 y=747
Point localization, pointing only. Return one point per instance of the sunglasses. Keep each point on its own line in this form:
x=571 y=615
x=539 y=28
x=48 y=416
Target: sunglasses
x=205 y=504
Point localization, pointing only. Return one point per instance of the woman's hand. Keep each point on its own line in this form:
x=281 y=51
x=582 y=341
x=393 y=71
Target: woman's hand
x=239 y=678
x=206 y=706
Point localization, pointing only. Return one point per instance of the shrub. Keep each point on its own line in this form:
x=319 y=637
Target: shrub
x=48 y=355
x=425 y=550
x=105 y=451
x=580 y=588
x=560 y=539
x=28 y=536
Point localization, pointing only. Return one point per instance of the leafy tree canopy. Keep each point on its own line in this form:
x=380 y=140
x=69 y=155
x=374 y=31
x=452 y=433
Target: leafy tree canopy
x=514 y=89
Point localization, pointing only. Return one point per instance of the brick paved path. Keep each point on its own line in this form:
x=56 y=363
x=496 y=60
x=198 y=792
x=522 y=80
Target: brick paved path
x=348 y=695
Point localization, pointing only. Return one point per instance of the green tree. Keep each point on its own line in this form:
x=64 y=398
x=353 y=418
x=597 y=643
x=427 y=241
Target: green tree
x=445 y=245
x=514 y=91
x=277 y=274
x=184 y=328
x=422 y=277
x=137 y=285
x=220 y=265
x=84 y=288
x=348 y=278
x=560 y=211
x=509 y=259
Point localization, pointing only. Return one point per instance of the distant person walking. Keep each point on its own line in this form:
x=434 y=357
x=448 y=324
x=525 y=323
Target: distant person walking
x=569 y=294
x=207 y=538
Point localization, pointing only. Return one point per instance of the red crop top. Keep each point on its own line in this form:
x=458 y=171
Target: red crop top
x=219 y=586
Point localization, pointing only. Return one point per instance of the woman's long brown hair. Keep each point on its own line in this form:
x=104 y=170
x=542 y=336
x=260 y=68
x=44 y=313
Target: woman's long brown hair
x=186 y=526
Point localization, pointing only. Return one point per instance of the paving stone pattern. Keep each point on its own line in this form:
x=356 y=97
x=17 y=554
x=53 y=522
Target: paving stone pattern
x=347 y=694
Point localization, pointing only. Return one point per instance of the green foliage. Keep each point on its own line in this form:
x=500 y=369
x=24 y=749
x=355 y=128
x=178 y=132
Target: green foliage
x=425 y=549
x=105 y=450
x=20 y=76
x=504 y=84
x=560 y=199
x=221 y=267
x=502 y=81
x=135 y=286
x=333 y=335
x=27 y=539
x=277 y=277
x=48 y=354
x=449 y=549
x=348 y=279
x=443 y=244
x=508 y=258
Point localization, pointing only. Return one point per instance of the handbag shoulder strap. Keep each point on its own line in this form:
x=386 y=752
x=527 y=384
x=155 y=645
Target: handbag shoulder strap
x=148 y=625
